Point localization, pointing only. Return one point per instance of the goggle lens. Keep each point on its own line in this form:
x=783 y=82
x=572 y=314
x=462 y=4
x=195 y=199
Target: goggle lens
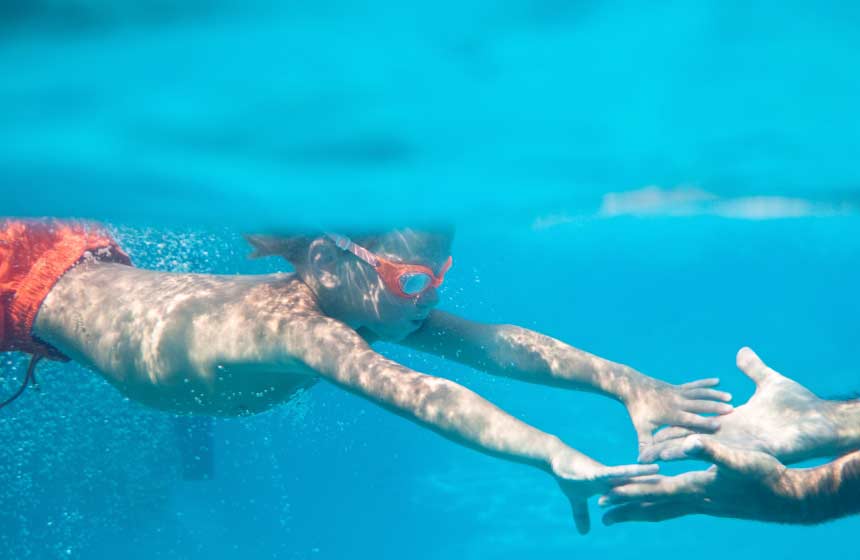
x=413 y=284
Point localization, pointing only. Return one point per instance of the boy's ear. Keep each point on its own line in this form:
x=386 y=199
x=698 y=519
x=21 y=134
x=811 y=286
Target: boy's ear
x=323 y=258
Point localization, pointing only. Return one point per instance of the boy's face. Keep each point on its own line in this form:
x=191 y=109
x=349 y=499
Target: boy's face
x=390 y=316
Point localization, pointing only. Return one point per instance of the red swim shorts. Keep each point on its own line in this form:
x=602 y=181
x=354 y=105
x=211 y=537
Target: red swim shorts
x=34 y=255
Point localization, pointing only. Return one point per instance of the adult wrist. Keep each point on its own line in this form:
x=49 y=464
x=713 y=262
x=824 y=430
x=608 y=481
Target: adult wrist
x=822 y=493
x=829 y=491
x=807 y=494
x=846 y=419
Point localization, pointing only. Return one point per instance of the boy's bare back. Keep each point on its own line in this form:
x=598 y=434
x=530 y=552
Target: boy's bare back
x=188 y=343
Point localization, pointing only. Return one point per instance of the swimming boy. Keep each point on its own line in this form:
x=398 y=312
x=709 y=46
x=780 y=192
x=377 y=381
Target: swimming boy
x=232 y=345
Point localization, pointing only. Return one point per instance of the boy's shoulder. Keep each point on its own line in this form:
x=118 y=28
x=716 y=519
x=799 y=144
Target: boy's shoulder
x=286 y=294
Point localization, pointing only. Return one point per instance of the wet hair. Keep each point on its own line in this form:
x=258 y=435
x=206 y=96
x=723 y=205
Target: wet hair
x=294 y=247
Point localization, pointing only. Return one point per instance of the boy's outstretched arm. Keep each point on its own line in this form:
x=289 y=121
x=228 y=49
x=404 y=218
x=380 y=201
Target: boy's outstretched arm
x=340 y=355
x=530 y=356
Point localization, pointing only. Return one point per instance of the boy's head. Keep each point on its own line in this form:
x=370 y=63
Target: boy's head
x=353 y=290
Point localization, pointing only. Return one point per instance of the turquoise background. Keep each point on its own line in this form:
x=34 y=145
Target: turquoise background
x=536 y=128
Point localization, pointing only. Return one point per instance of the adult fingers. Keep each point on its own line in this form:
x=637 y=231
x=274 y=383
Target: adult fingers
x=670 y=450
x=742 y=462
x=708 y=394
x=709 y=382
x=647 y=512
x=657 y=488
x=627 y=491
x=752 y=366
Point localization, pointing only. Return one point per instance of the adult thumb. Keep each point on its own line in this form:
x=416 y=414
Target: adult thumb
x=752 y=366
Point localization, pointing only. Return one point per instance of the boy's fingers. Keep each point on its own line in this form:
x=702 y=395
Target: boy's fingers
x=644 y=435
x=702 y=383
x=627 y=471
x=708 y=394
x=578 y=506
x=650 y=453
x=696 y=422
x=646 y=512
x=671 y=432
x=670 y=444
x=670 y=449
x=646 y=479
x=707 y=407
x=673 y=451
x=580 y=516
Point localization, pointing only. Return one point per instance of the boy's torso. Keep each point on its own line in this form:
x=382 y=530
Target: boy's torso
x=182 y=342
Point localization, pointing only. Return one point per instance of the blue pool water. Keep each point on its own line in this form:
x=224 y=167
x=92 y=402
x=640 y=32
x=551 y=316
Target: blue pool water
x=657 y=184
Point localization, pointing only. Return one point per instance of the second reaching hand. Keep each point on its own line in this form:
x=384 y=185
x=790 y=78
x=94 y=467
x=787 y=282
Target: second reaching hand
x=741 y=484
x=782 y=419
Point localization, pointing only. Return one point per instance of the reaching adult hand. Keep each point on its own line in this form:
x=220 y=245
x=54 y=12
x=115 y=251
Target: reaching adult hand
x=782 y=419
x=742 y=484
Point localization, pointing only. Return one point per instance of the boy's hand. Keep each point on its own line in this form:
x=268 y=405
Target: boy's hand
x=580 y=477
x=782 y=419
x=741 y=484
x=653 y=404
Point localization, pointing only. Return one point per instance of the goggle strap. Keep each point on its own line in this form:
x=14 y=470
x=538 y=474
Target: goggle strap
x=437 y=281
x=346 y=244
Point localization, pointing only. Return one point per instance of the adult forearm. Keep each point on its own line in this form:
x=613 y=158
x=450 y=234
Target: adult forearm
x=830 y=491
x=846 y=417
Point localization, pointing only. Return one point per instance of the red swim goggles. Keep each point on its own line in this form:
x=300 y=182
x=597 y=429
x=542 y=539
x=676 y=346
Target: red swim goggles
x=403 y=280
